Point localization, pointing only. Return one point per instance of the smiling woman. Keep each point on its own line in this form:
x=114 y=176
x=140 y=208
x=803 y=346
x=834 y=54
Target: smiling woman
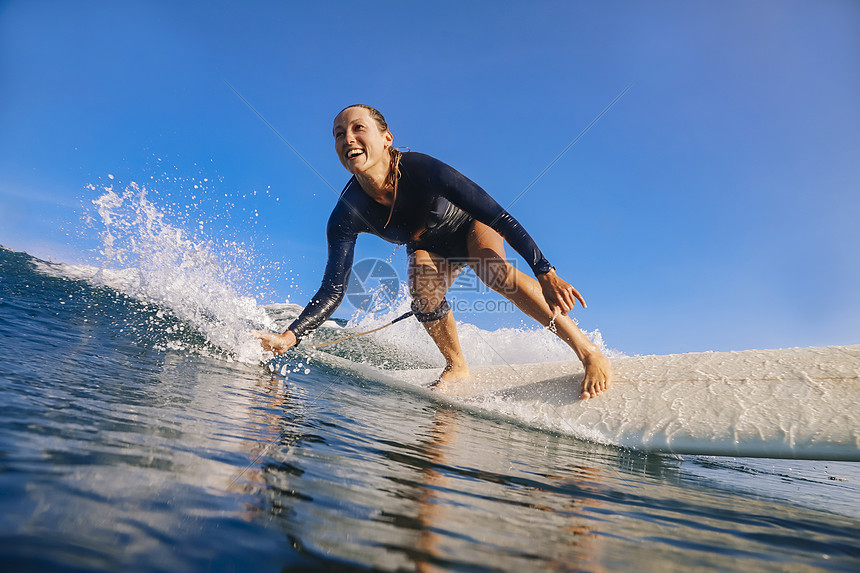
x=446 y=222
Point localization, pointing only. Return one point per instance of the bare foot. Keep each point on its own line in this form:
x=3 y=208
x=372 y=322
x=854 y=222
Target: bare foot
x=598 y=375
x=450 y=376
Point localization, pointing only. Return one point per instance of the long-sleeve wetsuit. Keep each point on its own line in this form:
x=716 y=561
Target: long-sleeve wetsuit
x=433 y=207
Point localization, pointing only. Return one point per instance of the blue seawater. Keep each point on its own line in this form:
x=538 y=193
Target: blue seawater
x=131 y=438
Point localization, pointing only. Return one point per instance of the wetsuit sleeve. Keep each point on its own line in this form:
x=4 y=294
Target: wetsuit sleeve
x=341 y=248
x=471 y=198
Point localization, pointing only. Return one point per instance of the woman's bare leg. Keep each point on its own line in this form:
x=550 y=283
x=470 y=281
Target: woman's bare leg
x=429 y=278
x=487 y=259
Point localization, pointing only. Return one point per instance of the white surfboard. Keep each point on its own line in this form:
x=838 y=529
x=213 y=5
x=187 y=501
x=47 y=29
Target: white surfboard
x=793 y=403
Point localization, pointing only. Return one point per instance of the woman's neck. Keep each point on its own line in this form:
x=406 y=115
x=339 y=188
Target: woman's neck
x=374 y=183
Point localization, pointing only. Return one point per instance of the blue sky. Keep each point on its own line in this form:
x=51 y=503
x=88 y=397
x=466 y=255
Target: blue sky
x=713 y=207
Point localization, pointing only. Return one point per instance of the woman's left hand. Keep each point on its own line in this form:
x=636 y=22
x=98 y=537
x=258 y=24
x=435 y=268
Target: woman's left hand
x=559 y=294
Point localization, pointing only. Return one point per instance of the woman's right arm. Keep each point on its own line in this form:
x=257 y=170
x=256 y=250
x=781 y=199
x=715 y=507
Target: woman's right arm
x=341 y=248
x=331 y=292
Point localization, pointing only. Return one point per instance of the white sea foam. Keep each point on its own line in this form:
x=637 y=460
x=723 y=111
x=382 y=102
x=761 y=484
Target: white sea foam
x=481 y=347
x=146 y=256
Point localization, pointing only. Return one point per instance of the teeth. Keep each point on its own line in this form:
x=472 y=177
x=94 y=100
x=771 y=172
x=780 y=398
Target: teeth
x=353 y=153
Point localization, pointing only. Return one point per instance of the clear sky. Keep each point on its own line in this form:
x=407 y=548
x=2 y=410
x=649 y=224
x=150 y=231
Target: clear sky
x=713 y=207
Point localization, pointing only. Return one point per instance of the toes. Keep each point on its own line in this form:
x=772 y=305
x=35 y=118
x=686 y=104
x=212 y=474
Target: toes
x=592 y=388
x=438 y=385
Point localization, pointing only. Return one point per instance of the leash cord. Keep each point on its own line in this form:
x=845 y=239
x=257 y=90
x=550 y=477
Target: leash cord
x=341 y=339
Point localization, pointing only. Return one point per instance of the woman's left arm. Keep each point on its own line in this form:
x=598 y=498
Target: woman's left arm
x=469 y=196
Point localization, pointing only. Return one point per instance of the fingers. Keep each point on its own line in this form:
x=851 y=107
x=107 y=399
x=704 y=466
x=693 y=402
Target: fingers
x=557 y=301
x=569 y=299
x=560 y=295
x=564 y=306
x=565 y=299
x=269 y=342
x=579 y=297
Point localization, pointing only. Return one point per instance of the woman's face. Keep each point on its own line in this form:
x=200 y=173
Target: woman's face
x=359 y=144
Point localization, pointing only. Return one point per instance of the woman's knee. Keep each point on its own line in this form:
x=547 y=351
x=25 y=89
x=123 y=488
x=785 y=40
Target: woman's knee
x=426 y=287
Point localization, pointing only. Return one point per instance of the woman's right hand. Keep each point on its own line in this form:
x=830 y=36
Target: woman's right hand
x=274 y=342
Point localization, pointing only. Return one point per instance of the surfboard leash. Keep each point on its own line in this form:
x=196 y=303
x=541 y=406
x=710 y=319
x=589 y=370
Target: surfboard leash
x=403 y=316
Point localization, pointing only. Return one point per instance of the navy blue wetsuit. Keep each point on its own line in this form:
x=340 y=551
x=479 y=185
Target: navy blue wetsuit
x=433 y=210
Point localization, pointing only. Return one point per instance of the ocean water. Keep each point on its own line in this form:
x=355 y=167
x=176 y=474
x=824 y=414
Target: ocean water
x=143 y=430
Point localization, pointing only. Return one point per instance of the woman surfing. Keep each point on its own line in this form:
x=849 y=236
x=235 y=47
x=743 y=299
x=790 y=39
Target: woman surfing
x=446 y=221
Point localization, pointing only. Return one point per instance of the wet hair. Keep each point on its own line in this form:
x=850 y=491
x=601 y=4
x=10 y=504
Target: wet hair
x=394 y=168
x=374 y=113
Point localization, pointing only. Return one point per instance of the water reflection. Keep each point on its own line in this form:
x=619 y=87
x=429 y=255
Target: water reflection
x=434 y=489
x=371 y=476
x=452 y=489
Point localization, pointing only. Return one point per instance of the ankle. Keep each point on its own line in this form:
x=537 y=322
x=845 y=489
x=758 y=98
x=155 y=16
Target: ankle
x=456 y=365
x=591 y=355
